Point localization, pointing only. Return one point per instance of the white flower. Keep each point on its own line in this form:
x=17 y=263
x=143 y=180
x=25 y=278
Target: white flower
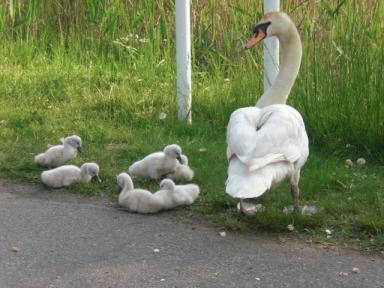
x=162 y=116
x=290 y=227
x=361 y=161
x=328 y=232
x=348 y=162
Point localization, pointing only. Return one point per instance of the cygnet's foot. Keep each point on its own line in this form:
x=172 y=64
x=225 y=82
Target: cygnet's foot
x=249 y=208
x=304 y=210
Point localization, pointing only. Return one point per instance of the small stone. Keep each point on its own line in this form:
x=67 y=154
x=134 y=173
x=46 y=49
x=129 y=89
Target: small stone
x=162 y=280
x=361 y=161
x=257 y=279
x=343 y=274
x=15 y=249
x=156 y=250
x=290 y=227
x=222 y=233
x=355 y=270
x=348 y=162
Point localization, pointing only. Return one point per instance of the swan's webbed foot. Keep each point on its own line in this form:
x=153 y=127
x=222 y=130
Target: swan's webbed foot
x=249 y=208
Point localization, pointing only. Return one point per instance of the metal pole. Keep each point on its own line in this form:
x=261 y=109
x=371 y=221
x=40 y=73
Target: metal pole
x=183 y=59
x=271 y=49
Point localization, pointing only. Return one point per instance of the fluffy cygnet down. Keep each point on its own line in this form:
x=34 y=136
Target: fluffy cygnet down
x=182 y=171
x=70 y=174
x=58 y=155
x=157 y=164
x=136 y=200
x=176 y=195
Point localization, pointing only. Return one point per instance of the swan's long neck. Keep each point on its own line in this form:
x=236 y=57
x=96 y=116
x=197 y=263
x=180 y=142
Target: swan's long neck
x=128 y=184
x=290 y=64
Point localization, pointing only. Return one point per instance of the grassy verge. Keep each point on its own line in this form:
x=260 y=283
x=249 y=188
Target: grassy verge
x=104 y=69
x=116 y=112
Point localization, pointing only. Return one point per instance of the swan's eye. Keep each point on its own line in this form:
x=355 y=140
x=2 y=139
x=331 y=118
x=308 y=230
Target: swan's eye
x=262 y=26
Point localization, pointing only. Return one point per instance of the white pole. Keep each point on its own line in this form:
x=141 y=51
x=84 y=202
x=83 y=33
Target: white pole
x=271 y=49
x=183 y=59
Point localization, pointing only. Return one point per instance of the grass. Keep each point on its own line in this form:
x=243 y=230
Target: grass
x=79 y=68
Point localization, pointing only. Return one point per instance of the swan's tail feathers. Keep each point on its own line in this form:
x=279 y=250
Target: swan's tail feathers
x=243 y=183
x=136 y=169
x=258 y=163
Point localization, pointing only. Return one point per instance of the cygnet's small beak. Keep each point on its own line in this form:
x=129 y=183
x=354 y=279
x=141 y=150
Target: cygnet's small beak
x=96 y=178
x=255 y=39
x=79 y=149
x=179 y=159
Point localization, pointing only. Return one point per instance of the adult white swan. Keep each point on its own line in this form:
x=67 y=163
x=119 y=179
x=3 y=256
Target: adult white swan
x=268 y=143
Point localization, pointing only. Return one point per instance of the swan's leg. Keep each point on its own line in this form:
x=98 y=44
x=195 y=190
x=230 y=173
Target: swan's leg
x=242 y=209
x=295 y=191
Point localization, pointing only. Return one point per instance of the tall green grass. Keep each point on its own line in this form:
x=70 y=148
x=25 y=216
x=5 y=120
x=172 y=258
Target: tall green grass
x=105 y=69
x=338 y=92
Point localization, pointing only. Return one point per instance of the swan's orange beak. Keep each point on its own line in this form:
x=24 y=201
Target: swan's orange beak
x=255 y=39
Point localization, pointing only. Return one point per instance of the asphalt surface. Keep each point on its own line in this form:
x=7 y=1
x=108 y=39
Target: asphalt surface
x=58 y=239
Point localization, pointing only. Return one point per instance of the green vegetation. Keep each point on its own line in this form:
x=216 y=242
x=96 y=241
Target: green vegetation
x=105 y=70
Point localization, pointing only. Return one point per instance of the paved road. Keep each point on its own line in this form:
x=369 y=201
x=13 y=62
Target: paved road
x=67 y=240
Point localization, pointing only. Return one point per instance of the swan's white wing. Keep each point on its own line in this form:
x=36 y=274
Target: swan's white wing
x=259 y=137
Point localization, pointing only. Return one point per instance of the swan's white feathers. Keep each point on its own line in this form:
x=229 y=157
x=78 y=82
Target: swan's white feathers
x=157 y=164
x=67 y=175
x=176 y=195
x=264 y=147
x=182 y=170
x=268 y=143
x=57 y=155
x=243 y=183
x=136 y=200
x=259 y=137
